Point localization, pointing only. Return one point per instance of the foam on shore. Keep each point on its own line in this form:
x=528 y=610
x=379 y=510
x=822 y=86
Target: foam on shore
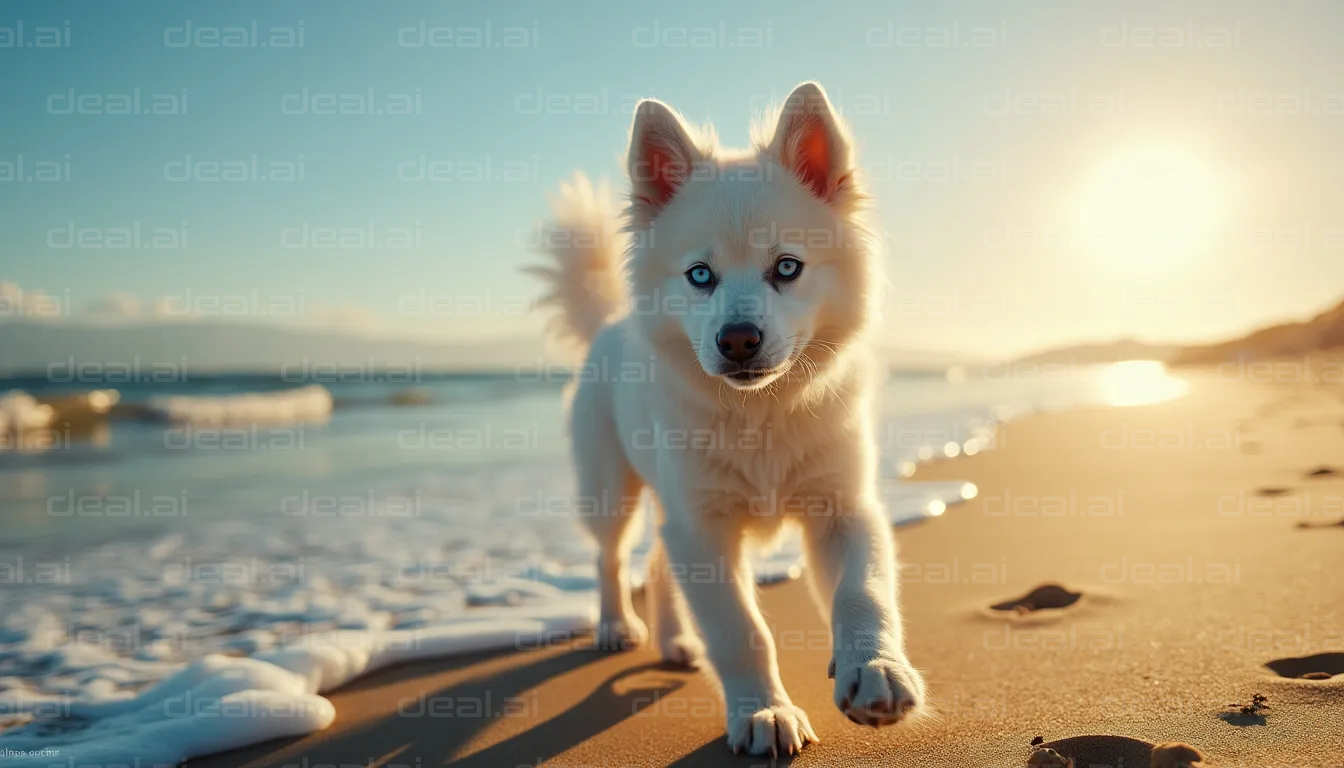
x=224 y=633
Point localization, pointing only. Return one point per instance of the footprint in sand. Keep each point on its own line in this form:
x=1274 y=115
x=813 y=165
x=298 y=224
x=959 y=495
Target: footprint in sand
x=1113 y=750
x=1323 y=471
x=1272 y=491
x=1175 y=755
x=1044 y=597
x=1305 y=524
x=1321 y=666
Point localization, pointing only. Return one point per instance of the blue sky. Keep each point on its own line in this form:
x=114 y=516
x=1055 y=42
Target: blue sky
x=988 y=158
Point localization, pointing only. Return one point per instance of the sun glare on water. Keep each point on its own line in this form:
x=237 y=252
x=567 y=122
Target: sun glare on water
x=1138 y=382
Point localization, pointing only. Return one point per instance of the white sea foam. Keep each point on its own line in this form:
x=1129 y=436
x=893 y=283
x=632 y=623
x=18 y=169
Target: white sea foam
x=302 y=404
x=224 y=633
x=19 y=412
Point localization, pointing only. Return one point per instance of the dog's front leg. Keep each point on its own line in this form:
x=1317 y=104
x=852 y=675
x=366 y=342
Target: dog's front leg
x=706 y=559
x=853 y=562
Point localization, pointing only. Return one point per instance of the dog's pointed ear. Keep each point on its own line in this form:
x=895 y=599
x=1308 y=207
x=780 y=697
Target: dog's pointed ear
x=811 y=142
x=661 y=159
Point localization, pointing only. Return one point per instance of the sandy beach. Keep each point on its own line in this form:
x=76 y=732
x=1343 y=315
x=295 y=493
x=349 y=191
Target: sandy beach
x=1179 y=526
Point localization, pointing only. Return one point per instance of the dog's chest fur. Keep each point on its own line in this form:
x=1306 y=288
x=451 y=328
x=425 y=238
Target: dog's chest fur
x=770 y=464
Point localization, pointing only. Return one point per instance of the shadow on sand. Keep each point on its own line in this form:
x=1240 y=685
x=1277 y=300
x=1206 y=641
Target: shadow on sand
x=435 y=726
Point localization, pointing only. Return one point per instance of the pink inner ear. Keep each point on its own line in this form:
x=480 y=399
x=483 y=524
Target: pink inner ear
x=812 y=157
x=665 y=174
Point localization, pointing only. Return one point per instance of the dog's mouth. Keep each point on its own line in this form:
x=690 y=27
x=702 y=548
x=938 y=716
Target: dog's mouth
x=751 y=378
x=765 y=371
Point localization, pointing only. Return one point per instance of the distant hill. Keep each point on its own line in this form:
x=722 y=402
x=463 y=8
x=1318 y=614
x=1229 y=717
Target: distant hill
x=912 y=360
x=30 y=347
x=1105 y=352
x=1324 y=331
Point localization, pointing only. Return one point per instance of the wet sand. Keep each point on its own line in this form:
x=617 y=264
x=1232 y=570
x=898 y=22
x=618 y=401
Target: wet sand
x=1192 y=575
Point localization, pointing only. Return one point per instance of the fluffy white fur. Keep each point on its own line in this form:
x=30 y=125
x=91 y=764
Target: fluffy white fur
x=730 y=460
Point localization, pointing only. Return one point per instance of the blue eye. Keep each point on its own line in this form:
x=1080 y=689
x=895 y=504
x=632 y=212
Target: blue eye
x=788 y=269
x=700 y=276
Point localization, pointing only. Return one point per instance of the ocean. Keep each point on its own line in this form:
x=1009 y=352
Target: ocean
x=263 y=539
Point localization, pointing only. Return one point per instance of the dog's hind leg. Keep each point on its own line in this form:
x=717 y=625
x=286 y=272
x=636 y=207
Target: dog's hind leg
x=677 y=639
x=609 y=496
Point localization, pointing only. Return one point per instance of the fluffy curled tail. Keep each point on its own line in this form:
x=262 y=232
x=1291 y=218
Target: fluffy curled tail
x=586 y=250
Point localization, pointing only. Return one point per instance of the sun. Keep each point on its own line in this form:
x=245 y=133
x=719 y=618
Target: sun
x=1150 y=209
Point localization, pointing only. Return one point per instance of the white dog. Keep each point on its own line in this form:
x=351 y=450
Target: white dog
x=729 y=375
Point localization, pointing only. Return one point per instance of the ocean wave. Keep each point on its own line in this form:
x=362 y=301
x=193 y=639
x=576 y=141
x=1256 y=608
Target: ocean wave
x=20 y=411
x=310 y=403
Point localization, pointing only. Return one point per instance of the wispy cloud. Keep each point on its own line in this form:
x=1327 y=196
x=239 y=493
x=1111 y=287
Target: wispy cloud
x=121 y=307
x=30 y=304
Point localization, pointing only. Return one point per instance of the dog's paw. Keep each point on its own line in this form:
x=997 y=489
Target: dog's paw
x=877 y=692
x=621 y=634
x=684 y=650
x=778 y=730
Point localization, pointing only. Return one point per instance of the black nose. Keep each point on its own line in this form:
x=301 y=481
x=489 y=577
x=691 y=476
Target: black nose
x=739 y=342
